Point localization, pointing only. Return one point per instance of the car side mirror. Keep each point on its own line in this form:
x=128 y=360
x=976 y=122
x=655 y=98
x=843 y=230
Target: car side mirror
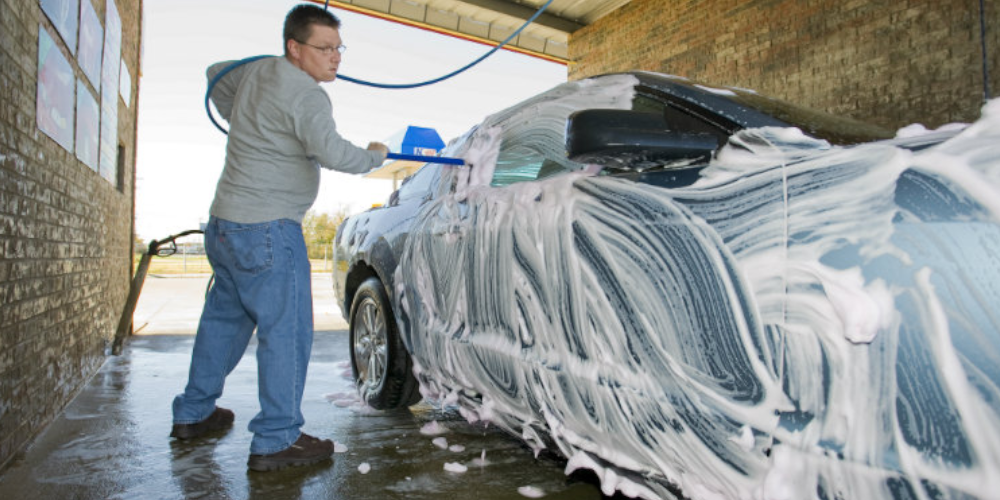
x=631 y=140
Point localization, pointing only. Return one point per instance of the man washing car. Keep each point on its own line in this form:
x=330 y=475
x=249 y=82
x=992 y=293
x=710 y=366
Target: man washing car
x=281 y=132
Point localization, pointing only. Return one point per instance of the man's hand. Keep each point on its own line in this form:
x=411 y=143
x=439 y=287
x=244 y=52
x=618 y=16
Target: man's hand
x=378 y=146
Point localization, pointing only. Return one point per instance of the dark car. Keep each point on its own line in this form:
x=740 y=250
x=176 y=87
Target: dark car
x=698 y=292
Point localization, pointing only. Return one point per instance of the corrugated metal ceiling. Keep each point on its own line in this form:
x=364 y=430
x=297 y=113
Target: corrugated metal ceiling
x=492 y=21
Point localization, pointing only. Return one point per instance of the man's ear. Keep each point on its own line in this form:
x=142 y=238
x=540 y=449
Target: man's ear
x=293 y=49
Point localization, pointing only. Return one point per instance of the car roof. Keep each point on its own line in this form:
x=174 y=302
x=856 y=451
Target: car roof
x=713 y=98
x=743 y=108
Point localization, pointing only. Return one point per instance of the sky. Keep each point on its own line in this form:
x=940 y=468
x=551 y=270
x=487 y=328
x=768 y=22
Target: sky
x=180 y=154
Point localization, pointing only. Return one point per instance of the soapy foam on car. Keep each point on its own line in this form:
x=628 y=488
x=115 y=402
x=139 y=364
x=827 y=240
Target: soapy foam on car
x=842 y=323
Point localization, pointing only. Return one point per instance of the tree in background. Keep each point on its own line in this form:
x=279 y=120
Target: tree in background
x=319 y=230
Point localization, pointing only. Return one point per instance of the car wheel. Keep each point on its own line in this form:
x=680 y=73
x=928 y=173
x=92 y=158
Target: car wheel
x=383 y=370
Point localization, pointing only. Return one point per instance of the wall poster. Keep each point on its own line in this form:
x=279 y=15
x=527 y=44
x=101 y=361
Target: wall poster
x=88 y=126
x=91 y=44
x=109 y=93
x=125 y=84
x=63 y=14
x=54 y=104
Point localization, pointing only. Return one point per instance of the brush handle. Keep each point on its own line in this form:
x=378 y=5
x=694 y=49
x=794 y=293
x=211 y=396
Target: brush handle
x=427 y=159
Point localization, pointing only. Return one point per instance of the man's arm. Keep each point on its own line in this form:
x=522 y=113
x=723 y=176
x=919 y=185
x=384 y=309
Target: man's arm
x=381 y=148
x=315 y=127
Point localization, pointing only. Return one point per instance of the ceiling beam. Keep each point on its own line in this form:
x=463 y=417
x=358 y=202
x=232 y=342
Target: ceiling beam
x=520 y=11
x=545 y=48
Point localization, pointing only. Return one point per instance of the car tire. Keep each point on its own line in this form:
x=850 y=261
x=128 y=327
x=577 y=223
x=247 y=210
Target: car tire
x=382 y=368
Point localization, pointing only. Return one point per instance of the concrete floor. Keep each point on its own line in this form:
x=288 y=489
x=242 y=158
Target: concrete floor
x=112 y=441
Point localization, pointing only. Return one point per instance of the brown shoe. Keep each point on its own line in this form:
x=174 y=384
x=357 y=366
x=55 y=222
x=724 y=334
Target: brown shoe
x=306 y=450
x=220 y=419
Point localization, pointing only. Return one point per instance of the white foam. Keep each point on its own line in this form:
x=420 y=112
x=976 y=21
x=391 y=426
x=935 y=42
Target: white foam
x=455 y=467
x=433 y=428
x=531 y=492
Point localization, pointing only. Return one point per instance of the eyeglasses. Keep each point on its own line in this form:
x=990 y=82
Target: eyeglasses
x=326 y=51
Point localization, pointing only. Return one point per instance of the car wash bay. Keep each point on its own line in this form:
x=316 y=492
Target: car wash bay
x=111 y=442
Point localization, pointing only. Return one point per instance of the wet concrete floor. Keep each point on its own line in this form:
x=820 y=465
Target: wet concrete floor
x=112 y=442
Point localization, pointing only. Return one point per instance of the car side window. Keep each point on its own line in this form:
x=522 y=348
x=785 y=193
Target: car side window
x=520 y=162
x=516 y=165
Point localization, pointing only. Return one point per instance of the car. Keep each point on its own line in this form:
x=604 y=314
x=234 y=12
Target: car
x=698 y=292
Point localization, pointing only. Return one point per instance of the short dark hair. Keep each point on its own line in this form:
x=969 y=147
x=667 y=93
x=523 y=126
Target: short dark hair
x=300 y=20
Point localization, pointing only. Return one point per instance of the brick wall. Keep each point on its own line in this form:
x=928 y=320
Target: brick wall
x=65 y=231
x=887 y=62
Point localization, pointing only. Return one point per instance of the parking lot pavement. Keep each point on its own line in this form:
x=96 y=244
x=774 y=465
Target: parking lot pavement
x=172 y=304
x=112 y=441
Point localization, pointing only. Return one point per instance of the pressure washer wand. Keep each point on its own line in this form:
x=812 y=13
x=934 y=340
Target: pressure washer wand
x=426 y=159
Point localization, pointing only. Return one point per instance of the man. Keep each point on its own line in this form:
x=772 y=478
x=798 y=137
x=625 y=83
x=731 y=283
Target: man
x=281 y=132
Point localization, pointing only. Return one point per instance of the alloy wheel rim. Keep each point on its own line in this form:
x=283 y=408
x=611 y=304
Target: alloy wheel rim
x=370 y=345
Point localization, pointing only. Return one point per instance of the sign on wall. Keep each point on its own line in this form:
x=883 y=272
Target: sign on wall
x=88 y=126
x=91 y=44
x=66 y=108
x=125 y=84
x=63 y=14
x=54 y=102
x=109 y=93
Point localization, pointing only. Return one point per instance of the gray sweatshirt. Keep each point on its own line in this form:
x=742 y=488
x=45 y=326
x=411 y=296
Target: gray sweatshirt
x=281 y=132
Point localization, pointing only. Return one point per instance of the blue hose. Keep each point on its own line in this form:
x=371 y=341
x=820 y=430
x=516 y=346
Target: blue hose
x=457 y=71
x=215 y=80
x=241 y=62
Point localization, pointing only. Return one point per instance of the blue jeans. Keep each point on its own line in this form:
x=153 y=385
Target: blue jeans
x=262 y=281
